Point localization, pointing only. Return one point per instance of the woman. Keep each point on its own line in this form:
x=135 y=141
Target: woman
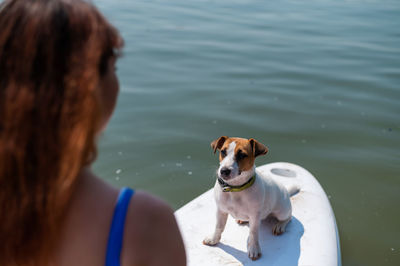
x=57 y=91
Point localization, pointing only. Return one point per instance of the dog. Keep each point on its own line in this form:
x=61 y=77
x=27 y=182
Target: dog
x=246 y=195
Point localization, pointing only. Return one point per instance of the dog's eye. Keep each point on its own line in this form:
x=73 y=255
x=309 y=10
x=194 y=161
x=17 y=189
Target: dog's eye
x=240 y=156
x=223 y=153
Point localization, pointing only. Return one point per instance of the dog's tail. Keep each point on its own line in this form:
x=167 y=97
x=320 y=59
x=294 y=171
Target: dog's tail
x=293 y=190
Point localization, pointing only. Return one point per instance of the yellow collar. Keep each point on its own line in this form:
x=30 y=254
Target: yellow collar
x=228 y=188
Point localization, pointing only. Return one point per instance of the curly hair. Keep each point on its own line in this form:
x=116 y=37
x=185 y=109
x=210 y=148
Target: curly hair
x=53 y=54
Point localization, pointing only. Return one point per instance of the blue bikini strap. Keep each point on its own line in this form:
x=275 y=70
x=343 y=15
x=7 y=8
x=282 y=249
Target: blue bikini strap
x=116 y=235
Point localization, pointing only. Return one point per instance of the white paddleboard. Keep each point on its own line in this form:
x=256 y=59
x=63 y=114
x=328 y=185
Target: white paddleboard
x=311 y=238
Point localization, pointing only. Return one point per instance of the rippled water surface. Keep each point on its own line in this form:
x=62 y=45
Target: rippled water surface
x=318 y=82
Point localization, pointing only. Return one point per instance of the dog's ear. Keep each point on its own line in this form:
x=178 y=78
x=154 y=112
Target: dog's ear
x=217 y=144
x=258 y=148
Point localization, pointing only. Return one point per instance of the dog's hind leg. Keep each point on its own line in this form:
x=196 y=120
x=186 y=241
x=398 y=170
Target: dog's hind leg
x=283 y=213
x=280 y=227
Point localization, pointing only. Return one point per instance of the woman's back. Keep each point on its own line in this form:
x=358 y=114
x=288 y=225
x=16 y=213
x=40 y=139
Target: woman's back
x=150 y=228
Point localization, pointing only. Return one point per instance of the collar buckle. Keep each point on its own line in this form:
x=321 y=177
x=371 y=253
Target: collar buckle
x=226 y=189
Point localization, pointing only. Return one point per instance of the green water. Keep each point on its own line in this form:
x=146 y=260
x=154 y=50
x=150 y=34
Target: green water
x=318 y=82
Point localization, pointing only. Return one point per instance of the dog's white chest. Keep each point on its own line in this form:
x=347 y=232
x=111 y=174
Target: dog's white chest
x=233 y=204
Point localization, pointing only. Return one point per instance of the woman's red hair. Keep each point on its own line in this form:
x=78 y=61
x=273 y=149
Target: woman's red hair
x=53 y=54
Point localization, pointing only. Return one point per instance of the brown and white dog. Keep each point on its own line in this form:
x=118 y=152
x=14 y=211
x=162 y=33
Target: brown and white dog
x=246 y=195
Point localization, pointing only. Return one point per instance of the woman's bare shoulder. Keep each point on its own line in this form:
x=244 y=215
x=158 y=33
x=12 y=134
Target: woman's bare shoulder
x=151 y=233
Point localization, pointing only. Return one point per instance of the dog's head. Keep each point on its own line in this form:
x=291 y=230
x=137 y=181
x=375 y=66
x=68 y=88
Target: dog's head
x=237 y=155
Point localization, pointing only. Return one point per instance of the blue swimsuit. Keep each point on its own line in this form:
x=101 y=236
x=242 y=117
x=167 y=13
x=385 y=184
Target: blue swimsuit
x=116 y=235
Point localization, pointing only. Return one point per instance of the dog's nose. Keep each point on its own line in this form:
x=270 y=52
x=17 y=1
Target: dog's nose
x=225 y=171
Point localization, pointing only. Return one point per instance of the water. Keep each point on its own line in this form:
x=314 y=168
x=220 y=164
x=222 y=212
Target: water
x=317 y=81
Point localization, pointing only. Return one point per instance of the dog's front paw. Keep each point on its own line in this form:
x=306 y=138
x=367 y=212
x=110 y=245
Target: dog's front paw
x=210 y=241
x=254 y=251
